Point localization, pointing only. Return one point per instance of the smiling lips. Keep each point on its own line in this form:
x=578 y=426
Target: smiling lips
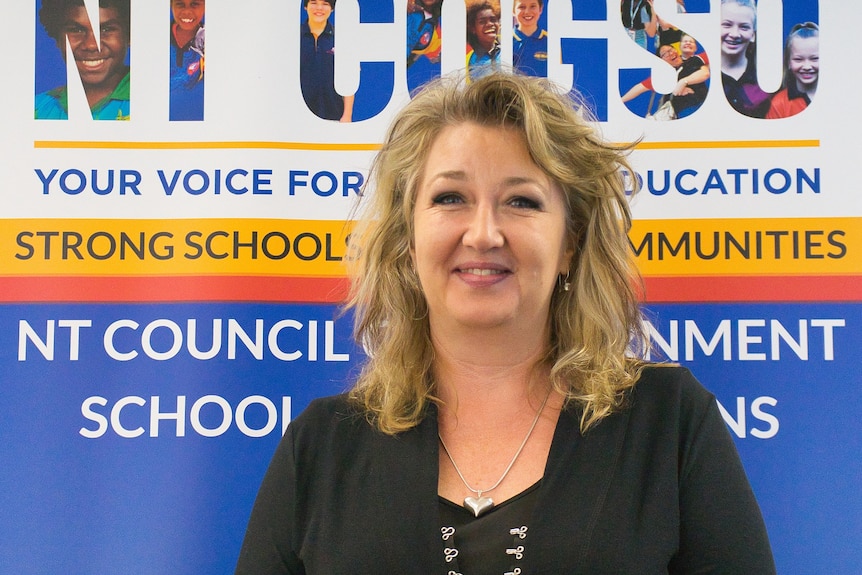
x=481 y=271
x=481 y=276
x=734 y=43
x=91 y=63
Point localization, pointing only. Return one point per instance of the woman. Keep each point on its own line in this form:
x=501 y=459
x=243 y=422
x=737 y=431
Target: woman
x=738 y=62
x=801 y=71
x=498 y=425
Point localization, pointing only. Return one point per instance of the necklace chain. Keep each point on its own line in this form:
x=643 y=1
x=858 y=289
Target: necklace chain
x=479 y=492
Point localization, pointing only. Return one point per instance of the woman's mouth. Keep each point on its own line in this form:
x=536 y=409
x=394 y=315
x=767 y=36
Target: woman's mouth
x=481 y=271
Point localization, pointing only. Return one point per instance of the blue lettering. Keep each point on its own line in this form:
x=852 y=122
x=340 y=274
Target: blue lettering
x=767 y=181
x=82 y=182
x=169 y=187
x=205 y=182
x=296 y=182
x=259 y=180
x=333 y=184
x=351 y=182
x=46 y=179
x=679 y=185
x=714 y=181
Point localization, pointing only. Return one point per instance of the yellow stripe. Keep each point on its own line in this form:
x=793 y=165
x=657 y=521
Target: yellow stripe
x=730 y=247
x=728 y=144
x=371 y=147
x=173 y=247
x=688 y=247
x=59 y=144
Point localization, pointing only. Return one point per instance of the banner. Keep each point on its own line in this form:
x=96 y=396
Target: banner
x=178 y=182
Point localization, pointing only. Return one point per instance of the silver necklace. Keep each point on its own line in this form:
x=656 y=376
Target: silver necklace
x=479 y=505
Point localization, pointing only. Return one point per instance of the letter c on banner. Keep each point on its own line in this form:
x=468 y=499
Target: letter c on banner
x=376 y=79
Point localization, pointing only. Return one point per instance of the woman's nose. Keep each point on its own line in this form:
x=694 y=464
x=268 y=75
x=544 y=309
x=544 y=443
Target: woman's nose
x=483 y=229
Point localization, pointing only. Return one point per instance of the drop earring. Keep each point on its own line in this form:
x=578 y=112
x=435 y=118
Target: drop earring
x=566 y=285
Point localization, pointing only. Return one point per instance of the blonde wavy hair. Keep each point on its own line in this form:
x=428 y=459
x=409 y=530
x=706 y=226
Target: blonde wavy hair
x=593 y=325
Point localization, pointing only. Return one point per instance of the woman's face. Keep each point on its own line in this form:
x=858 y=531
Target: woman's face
x=188 y=14
x=737 y=28
x=805 y=60
x=486 y=28
x=687 y=46
x=490 y=233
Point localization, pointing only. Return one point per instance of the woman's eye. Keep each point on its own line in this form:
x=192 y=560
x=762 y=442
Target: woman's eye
x=522 y=202
x=447 y=198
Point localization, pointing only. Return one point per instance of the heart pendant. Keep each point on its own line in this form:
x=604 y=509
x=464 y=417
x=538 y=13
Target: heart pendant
x=478 y=505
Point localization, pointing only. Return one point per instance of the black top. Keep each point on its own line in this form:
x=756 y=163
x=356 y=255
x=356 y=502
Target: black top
x=695 y=99
x=744 y=94
x=494 y=543
x=656 y=488
x=317 y=73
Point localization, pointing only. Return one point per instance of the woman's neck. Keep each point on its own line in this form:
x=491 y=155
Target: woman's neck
x=476 y=368
x=734 y=65
x=807 y=89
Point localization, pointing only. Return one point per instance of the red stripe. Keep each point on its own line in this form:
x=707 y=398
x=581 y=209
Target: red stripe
x=333 y=290
x=754 y=289
x=173 y=289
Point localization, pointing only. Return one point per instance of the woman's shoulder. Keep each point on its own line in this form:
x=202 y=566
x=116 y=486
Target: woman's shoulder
x=328 y=417
x=327 y=410
x=670 y=389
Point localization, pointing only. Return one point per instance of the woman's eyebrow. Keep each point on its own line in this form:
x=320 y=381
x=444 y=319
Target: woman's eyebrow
x=449 y=175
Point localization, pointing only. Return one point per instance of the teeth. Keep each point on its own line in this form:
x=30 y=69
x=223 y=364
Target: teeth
x=482 y=272
x=92 y=63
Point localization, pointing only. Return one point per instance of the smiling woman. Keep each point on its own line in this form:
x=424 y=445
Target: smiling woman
x=468 y=204
x=500 y=423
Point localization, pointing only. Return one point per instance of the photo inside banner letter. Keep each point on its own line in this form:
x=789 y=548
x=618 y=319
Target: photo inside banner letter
x=676 y=48
x=187 y=59
x=739 y=62
x=98 y=46
x=483 y=38
x=530 y=38
x=737 y=25
x=317 y=63
x=424 y=41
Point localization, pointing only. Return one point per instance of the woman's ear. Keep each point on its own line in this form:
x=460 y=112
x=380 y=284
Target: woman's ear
x=569 y=255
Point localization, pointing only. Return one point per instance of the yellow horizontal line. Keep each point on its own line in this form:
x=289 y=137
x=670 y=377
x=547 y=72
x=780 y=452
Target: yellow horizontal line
x=368 y=147
x=204 y=145
x=729 y=144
